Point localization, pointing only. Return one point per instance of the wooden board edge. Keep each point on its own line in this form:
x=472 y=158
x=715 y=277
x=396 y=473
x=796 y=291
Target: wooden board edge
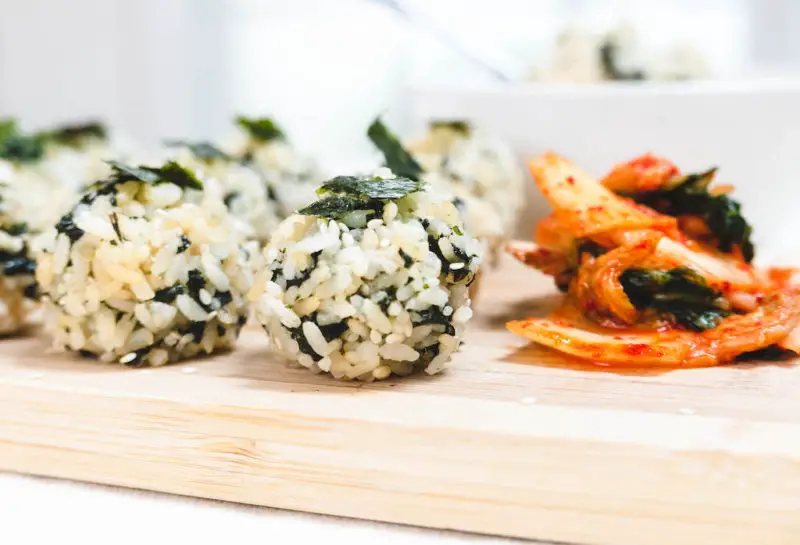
x=474 y=479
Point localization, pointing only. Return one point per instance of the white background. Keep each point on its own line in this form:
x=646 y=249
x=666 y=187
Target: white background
x=171 y=68
x=43 y=511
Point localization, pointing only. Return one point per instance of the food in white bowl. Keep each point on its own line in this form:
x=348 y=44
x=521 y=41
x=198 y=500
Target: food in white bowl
x=618 y=55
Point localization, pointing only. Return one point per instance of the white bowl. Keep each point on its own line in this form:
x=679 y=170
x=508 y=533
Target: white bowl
x=750 y=130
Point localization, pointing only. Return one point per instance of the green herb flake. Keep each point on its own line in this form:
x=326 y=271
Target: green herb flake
x=609 y=51
x=205 y=151
x=462 y=127
x=399 y=161
x=174 y=173
x=373 y=188
x=75 y=135
x=262 y=129
x=171 y=172
x=689 y=195
x=16 y=229
x=18 y=147
x=337 y=206
x=8 y=127
x=127 y=173
x=680 y=293
x=457 y=230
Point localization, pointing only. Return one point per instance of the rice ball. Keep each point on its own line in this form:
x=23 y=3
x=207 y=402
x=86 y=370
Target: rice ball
x=148 y=268
x=27 y=170
x=293 y=175
x=248 y=194
x=17 y=282
x=480 y=172
x=76 y=154
x=370 y=280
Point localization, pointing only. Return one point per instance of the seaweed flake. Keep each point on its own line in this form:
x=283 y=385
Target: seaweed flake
x=333 y=331
x=195 y=329
x=168 y=295
x=458 y=202
x=456 y=125
x=18 y=265
x=372 y=188
x=407 y=259
x=195 y=283
x=205 y=151
x=434 y=315
x=16 y=229
x=261 y=129
x=67 y=226
x=224 y=297
x=391 y=295
x=298 y=335
x=305 y=273
x=229 y=198
x=396 y=157
x=76 y=134
x=427 y=354
x=183 y=244
x=459 y=274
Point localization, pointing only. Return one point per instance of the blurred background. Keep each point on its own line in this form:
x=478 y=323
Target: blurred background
x=158 y=67
x=324 y=69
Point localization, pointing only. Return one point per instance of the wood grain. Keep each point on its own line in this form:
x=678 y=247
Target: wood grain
x=699 y=456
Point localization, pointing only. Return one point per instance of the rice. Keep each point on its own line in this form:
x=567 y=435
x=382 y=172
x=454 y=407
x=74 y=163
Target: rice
x=17 y=282
x=293 y=175
x=480 y=172
x=144 y=271
x=362 y=294
x=248 y=193
x=52 y=167
x=619 y=53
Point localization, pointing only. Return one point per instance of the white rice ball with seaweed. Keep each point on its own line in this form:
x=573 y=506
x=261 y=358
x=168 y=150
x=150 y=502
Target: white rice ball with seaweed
x=53 y=167
x=479 y=170
x=25 y=168
x=293 y=175
x=248 y=194
x=145 y=269
x=368 y=281
x=17 y=282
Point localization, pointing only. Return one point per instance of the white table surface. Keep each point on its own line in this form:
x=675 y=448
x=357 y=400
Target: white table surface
x=37 y=510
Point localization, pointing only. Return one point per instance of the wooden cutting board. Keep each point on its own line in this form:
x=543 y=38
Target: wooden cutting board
x=511 y=440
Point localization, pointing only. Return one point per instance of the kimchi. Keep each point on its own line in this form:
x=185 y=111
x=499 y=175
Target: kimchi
x=656 y=267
